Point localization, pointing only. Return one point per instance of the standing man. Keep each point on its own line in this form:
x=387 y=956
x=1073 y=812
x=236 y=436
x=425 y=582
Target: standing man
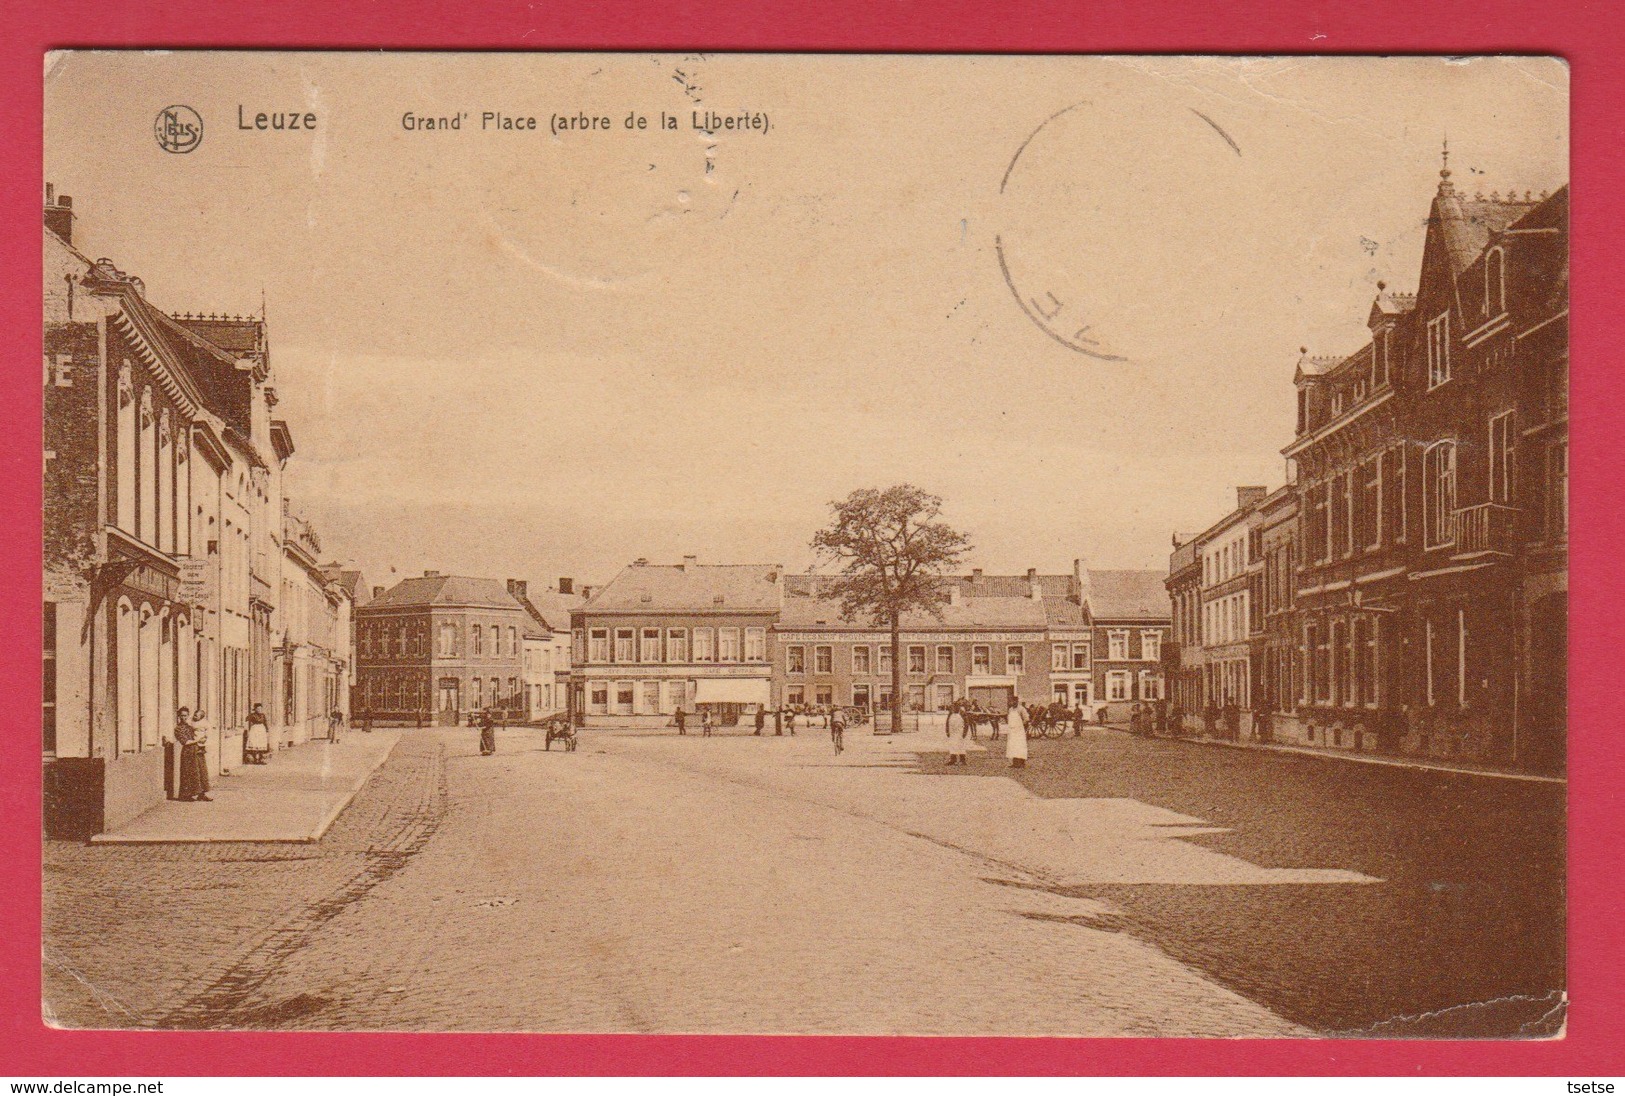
x=682 y=720
x=334 y=722
x=761 y=719
x=705 y=724
x=488 y=733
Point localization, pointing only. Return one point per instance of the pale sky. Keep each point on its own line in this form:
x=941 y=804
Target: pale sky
x=518 y=354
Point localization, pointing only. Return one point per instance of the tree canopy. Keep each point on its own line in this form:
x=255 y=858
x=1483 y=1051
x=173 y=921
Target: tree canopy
x=893 y=549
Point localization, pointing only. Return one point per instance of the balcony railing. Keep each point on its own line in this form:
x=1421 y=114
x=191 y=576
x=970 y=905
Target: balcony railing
x=1487 y=527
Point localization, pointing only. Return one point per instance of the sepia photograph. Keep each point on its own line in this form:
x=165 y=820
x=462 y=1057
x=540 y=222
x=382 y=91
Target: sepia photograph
x=805 y=544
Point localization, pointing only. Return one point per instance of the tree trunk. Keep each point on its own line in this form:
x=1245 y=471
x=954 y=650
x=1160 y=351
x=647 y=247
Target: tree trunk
x=896 y=673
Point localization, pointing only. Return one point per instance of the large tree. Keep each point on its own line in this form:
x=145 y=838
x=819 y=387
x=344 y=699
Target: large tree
x=893 y=552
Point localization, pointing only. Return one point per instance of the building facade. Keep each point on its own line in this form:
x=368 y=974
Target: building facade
x=162 y=529
x=658 y=639
x=1411 y=596
x=546 y=646
x=440 y=649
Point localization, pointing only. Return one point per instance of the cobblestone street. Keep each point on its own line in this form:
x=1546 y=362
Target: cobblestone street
x=735 y=884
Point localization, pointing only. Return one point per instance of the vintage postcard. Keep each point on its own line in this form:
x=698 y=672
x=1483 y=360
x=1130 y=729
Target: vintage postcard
x=810 y=544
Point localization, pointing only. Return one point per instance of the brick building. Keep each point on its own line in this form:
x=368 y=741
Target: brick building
x=1130 y=618
x=162 y=533
x=440 y=648
x=661 y=638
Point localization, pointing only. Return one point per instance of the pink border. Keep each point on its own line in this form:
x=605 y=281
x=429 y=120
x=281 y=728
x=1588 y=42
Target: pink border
x=1579 y=32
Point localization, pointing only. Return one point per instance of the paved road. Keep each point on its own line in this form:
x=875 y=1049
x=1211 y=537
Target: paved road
x=745 y=885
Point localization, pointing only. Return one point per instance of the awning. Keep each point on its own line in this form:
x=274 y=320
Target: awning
x=731 y=690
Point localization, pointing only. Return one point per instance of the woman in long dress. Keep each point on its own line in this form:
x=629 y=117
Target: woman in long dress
x=1015 y=729
x=257 y=738
x=958 y=735
x=194 y=774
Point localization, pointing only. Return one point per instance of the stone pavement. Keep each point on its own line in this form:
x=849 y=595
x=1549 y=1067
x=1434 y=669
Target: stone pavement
x=651 y=883
x=295 y=797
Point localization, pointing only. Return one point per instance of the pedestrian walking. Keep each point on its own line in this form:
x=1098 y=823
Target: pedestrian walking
x=1015 y=729
x=761 y=720
x=837 y=729
x=488 y=733
x=705 y=724
x=1077 y=721
x=958 y=734
x=682 y=721
x=257 y=738
x=194 y=774
x=334 y=723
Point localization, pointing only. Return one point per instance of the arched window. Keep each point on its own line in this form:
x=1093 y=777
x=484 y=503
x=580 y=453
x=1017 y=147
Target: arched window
x=1439 y=493
x=1495 y=282
x=128 y=466
x=127 y=678
x=146 y=471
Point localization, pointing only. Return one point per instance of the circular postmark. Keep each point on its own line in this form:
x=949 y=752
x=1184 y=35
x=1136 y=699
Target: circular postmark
x=1093 y=207
x=178 y=128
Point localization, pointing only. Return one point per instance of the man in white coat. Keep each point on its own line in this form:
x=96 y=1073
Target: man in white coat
x=1015 y=729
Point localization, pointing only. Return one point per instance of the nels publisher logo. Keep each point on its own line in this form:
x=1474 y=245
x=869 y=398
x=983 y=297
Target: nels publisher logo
x=178 y=129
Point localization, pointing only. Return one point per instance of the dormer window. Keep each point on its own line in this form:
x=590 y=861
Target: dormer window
x=1495 y=282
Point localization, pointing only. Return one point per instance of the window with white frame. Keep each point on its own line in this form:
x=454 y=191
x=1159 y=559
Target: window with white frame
x=823 y=659
x=1151 y=645
x=795 y=695
x=981 y=659
x=1117 y=644
x=860 y=660
x=1118 y=684
x=677 y=645
x=916 y=660
x=1150 y=685
x=727 y=644
x=1015 y=660
x=1439 y=493
x=795 y=659
x=755 y=644
x=1438 y=350
x=703 y=649
x=1501 y=458
x=1080 y=656
x=598 y=649
x=945 y=659
x=1060 y=657
x=651 y=645
x=885 y=659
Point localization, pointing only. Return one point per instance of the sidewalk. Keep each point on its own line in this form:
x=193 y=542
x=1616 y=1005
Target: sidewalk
x=294 y=798
x=1460 y=768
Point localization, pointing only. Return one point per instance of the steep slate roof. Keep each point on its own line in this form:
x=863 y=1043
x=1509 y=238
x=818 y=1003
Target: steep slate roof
x=448 y=591
x=691 y=587
x=992 y=611
x=349 y=581
x=552 y=609
x=1128 y=595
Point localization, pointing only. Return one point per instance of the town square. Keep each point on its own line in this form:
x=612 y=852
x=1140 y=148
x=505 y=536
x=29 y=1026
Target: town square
x=1105 y=575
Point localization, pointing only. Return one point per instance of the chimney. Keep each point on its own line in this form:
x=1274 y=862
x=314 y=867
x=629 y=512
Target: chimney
x=688 y=561
x=976 y=574
x=59 y=213
x=377 y=592
x=586 y=591
x=953 y=593
x=641 y=561
x=1034 y=590
x=1247 y=497
x=519 y=588
x=431 y=574
x=567 y=585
